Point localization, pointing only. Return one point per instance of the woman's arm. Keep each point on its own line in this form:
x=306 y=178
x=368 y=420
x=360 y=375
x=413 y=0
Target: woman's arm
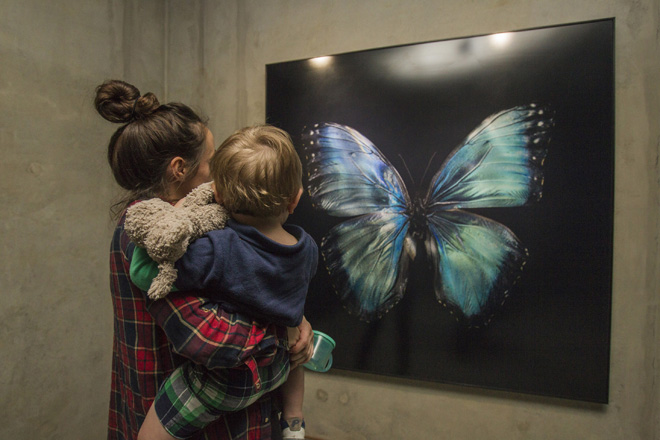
x=201 y=331
x=192 y=324
x=206 y=334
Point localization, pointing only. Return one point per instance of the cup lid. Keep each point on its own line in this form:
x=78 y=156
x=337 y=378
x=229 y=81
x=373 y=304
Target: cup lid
x=326 y=337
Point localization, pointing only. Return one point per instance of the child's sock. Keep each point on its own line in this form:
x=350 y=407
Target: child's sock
x=293 y=429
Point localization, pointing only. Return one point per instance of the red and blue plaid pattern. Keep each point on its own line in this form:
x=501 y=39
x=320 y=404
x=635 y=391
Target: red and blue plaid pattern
x=152 y=338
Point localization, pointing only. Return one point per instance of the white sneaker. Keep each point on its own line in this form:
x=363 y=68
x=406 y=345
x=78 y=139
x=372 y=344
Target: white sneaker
x=293 y=429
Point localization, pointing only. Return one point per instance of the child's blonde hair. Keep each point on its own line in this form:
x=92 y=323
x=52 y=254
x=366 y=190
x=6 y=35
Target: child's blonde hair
x=257 y=171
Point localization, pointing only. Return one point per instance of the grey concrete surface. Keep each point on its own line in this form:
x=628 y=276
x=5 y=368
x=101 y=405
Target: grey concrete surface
x=56 y=189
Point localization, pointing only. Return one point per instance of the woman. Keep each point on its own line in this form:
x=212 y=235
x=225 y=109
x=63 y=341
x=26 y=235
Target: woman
x=163 y=151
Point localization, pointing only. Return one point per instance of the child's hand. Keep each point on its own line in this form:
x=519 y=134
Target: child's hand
x=293 y=334
x=303 y=349
x=179 y=203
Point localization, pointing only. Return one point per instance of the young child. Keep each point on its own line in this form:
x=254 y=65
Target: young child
x=257 y=265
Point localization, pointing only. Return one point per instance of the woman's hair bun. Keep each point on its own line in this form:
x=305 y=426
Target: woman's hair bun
x=119 y=101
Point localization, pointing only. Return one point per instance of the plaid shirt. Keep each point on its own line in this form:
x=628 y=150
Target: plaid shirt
x=153 y=338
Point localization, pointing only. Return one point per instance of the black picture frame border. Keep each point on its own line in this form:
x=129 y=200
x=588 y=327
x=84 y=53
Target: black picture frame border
x=578 y=363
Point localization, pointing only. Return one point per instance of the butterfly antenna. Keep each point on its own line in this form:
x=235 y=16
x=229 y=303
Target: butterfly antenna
x=406 y=167
x=428 y=165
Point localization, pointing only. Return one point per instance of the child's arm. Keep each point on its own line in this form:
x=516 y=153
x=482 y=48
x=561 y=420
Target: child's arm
x=144 y=269
x=165 y=231
x=208 y=334
x=177 y=312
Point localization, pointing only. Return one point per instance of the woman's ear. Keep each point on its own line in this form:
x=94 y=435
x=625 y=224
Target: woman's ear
x=294 y=202
x=177 y=169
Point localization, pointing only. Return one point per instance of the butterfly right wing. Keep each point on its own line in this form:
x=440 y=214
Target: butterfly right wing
x=367 y=256
x=475 y=260
x=499 y=164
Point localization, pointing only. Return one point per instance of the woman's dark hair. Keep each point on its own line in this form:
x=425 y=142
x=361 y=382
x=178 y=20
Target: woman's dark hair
x=140 y=151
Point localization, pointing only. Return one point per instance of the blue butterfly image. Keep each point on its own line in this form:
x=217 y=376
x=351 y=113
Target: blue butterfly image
x=474 y=260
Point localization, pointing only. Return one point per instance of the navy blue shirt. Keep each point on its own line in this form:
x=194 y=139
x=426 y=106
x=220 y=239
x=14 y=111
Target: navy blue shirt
x=245 y=271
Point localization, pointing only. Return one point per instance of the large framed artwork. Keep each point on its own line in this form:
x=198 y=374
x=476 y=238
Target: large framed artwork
x=461 y=193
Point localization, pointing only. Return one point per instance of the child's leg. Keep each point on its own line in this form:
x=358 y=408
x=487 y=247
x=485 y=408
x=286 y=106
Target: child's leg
x=193 y=396
x=151 y=429
x=293 y=392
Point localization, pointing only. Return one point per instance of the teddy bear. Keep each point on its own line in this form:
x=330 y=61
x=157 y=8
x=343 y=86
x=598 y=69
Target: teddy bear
x=165 y=231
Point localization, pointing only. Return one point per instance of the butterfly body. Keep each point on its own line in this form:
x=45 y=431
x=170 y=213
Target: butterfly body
x=474 y=260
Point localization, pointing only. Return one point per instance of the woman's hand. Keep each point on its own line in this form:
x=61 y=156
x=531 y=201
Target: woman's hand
x=301 y=352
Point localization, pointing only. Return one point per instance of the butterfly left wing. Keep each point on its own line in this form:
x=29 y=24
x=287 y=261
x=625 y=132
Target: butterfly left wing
x=367 y=256
x=348 y=175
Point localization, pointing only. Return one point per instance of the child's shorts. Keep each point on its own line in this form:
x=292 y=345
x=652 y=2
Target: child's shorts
x=193 y=396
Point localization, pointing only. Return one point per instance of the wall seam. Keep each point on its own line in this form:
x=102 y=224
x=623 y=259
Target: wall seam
x=166 y=51
x=201 y=49
x=126 y=37
x=241 y=93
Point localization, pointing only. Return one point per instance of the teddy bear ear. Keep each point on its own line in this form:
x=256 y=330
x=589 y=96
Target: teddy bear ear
x=143 y=216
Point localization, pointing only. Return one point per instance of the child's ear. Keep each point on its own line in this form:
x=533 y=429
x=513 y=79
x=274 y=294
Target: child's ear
x=294 y=202
x=216 y=194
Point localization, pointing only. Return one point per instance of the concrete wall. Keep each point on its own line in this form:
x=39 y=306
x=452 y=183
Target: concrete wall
x=347 y=406
x=55 y=191
x=56 y=317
